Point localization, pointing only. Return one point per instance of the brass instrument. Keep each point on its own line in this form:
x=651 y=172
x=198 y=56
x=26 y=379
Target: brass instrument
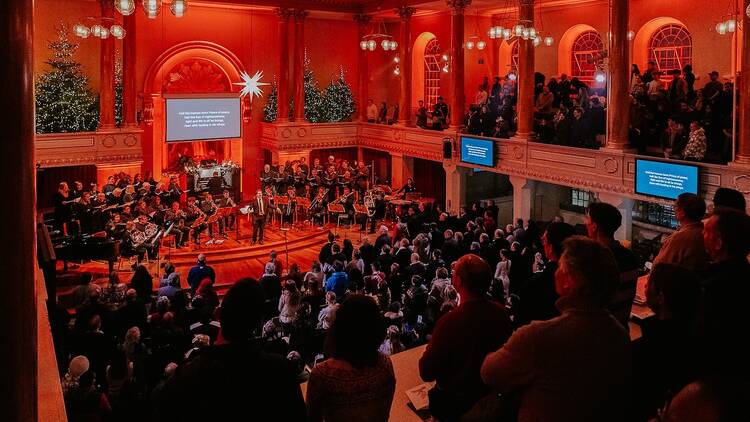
x=316 y=202
x=369 y=202
x=341 y=199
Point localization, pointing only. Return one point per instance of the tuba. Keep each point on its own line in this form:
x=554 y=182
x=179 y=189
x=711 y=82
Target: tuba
x=369 y=202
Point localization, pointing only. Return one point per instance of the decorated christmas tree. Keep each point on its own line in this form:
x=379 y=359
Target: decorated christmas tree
x=338 y=101
x=118 y=92
x=64 y=102
x=271 y=107
x=313 y=97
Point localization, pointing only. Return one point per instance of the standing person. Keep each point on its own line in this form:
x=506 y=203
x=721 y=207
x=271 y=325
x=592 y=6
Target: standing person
x=235 y=379
x=260 y=209
x=421 y=115
x=712 y=89
x=684 y=247
x=562 y=380
x=502 y=271
x=602 y=221
x=357 y=382
x=383 y=113
x=689 y=77
x=372 y=111
x=461 y=340
x=200 y=271
x=481 y=97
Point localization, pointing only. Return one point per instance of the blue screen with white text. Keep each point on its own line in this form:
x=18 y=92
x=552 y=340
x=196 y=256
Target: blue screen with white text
x=477 y=151
x=665 y=180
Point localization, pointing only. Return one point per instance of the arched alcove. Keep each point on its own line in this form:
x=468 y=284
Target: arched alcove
x=418 y=65
x=508 y=57
x=195 y=67
x=643 y=38
x=565 y=47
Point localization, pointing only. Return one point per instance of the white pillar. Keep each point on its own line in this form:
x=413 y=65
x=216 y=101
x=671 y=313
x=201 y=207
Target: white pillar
x=625 y=206
x=455 y=186
x=523 y=197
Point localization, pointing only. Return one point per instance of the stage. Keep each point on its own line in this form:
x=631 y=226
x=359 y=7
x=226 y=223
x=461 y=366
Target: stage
x=236 y=257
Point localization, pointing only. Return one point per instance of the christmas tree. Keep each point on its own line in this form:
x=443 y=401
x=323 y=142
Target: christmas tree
x=313 y=97
x=64 y=102
x=338 y=101
x=271 y=107
x=118 y=92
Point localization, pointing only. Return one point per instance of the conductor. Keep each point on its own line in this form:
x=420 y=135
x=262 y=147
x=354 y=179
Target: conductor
x=260 y=209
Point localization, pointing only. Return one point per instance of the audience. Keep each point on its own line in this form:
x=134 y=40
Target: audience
x=460 y=341
x=357 y=382
x=685 y=247
x=575 y=367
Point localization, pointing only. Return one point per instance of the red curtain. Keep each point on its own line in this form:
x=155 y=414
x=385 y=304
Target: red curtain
x=429 y=177
x=48 y=179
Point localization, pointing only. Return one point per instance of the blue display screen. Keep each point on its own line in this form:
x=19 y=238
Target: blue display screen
x=477 y=151
x=665 y=180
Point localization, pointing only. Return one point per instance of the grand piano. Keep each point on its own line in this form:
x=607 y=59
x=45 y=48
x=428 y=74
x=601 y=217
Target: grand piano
x=87 y=247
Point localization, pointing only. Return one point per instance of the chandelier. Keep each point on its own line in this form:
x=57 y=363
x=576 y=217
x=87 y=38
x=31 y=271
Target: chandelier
x=474 y=40
x=372 y=40
x=518 y=29
x=151 y=8
x=100 y=28
x=730 y=22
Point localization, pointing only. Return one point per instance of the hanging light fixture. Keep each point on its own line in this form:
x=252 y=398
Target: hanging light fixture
x=721 y=28
x=372 y=40
x=371 y=45
x=481 y=44
x=393 y=45
x=96 y=30
x=631 y=35
x=474 y=40
x=363 y=45
x=548 y=41
x=518 y=30
x=178 y=7
x=600 y=76
x=469 y=44
x=731 y=25
x=397 y=71
x=152 y=8
x=117 y=31
x=104 y=33
x=125 y=7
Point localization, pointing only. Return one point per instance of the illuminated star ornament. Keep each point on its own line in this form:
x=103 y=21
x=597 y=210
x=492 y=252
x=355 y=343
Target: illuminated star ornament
x=251 y=84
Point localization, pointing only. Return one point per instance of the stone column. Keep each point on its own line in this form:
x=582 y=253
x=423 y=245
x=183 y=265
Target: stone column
x=282 y=116
x=743 y=146
x=129 y=90
x=455 y=186
x=457 y=61
x=523 y=197
x=618 y=110
x=402 y=168
x=107 y=73
x=625 y=206
x=525 y=105
x=404 y=104
x=18 y=301
x=298 y=76
x=363 y=75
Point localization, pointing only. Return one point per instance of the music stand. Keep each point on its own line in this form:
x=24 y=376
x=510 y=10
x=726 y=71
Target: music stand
x=337 y=209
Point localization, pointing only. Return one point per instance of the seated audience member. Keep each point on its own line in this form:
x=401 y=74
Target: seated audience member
x=200 y=271
x=729 y=198
x=338 y=282
x=235 y=380
x=83 y=401
x=133 y=314
x=602 y=221
x=709 y=400
x=170 y=284
x=460 y=341
x=684 y=247
x=537 y=296
x=695 y=149
x=392 y=343
x=357 y=382
x=558 y=379
x=665 y=357
x=726 y=235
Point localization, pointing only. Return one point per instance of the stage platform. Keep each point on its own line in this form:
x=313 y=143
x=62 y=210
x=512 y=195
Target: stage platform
x=235 y=258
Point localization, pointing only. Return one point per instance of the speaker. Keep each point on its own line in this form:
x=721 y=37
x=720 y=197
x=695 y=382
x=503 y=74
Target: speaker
x=447 y=149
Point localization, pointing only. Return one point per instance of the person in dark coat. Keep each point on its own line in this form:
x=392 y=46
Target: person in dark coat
x=200 y=271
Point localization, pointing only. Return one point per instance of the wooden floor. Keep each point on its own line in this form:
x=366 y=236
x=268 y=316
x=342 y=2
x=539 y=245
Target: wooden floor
x=236 y=257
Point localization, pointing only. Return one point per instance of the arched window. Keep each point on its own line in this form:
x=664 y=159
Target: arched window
x=514 y=58
x=671 y=47
x=431 y=73
x=586 y=47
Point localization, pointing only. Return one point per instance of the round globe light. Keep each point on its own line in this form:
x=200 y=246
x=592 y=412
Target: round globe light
x=363 y=45
x=548 y=41
x=178 y=7
x=731 y=25
x=393 y=44
x=125 y=7
x=371 y=45
x=104 y=34
x=469 y=45
x=537 y=42
x=117 y=31
x=96 y=30
x=631 y=35
x=518 y=30
x=481 y=44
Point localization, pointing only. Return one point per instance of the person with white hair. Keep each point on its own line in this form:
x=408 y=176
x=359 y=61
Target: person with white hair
x=82 y=399
x=326 y=314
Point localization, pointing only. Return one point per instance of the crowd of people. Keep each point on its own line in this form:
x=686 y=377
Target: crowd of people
x=531 y=311
x=689 y=122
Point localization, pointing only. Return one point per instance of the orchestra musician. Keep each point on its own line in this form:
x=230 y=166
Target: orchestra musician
x=300 y=180
x=77 y=190
x=318 y=206
x=142 y=237
x=62 y=210
x=288 y=210
x=109 y=186
x=82 y=211
x=409 y=187
x=260 y=208
x=173 y=189
x=226 y=201
x=209 y=208
x=302 y=165
x=361 y=177
x=156 y=210
x=215 y=183
x=116 y=227
x=126 y=213
x=267 y=176
x=347 y=200
x=176 y=217
x=194 y=217
x=316 y=168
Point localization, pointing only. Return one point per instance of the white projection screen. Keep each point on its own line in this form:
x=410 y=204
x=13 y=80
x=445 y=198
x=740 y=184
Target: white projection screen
x=200 y=118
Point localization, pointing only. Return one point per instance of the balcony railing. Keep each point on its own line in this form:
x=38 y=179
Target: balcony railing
x=81 y=148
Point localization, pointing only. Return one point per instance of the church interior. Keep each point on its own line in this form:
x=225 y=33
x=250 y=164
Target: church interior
x=396 y=210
